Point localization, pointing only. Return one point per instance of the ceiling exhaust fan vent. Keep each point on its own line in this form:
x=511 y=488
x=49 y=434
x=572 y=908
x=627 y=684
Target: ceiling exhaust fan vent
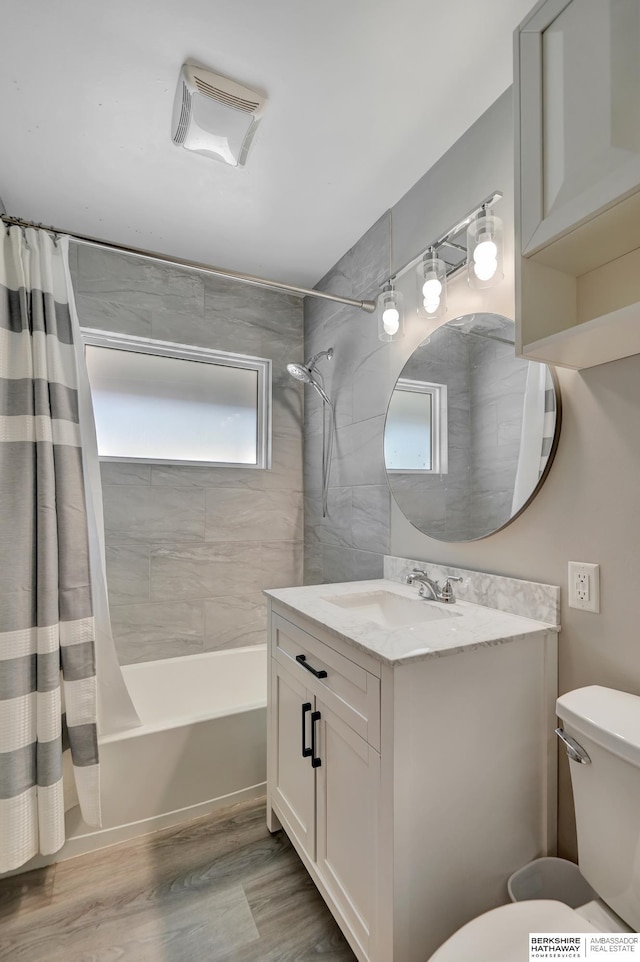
x=215 y=116
x=183 y=121
x=250 y=106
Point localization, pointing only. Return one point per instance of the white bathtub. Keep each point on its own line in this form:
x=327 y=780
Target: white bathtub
x=202 y=745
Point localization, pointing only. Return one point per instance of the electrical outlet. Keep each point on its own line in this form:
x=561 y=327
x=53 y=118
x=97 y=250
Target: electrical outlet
x=584 y=586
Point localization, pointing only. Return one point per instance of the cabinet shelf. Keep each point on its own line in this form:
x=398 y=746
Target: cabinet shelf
x=603 y=339
x=577 y=80
x=579 y=322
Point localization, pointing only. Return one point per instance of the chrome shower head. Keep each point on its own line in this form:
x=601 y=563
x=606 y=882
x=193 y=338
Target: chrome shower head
x=300 y=372
x=304 y=372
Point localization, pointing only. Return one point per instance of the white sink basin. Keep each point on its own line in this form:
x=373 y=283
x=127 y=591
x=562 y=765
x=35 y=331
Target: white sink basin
x=391 y=610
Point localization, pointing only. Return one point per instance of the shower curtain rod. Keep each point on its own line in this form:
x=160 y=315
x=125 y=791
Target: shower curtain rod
x=368 y=306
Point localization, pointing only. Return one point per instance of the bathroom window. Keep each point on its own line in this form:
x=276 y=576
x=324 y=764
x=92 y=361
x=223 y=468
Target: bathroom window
x=172 y=403
x=415 y=439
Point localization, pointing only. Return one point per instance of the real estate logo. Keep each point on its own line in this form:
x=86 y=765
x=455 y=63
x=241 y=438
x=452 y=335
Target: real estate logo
x=577 y=945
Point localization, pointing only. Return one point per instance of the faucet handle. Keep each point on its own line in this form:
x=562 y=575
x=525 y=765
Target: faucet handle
x=447 y=594
x=419 y=572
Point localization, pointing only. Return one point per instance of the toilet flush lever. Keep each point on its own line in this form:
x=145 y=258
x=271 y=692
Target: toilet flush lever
x=575 y=751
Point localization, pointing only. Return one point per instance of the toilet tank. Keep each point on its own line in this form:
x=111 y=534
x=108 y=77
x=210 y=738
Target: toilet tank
x=606 y=793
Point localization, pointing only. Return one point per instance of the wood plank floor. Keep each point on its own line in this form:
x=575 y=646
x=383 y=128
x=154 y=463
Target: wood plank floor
x=217 y=889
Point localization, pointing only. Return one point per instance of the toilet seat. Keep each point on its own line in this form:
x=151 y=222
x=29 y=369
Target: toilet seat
x=502 y=935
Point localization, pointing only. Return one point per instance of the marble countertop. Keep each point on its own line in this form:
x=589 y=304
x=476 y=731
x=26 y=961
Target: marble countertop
x=465 y=627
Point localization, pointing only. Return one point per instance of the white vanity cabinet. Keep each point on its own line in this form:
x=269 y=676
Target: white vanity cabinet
x=434 y=779
x=577 y=96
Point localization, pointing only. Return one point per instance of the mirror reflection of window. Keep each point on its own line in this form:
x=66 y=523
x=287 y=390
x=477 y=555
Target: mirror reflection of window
x=416 y=432
x=504 y=422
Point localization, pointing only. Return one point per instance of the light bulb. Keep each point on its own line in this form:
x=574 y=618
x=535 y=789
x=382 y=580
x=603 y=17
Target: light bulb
x=485 y=251
x=431 y=306
x=391 y=320
x=431 y=285
x=485 y=268
x=432 y=289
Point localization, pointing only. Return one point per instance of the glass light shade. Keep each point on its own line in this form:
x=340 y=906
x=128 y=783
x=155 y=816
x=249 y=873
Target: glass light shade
x=390 y=316
x=431 y=284
x=484 y=250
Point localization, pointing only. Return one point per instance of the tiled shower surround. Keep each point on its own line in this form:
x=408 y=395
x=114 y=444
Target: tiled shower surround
x=189 y=549
x=349 y=545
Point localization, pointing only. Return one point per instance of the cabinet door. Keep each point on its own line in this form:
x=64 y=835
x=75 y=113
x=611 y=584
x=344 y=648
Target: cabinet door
x=292 y=779
x=348 y=781
x=579 y=113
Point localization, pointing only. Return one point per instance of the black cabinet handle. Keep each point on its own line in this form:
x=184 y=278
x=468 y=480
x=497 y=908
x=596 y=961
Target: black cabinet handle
x=305 y=751
x=302 y=660
x=315 y=761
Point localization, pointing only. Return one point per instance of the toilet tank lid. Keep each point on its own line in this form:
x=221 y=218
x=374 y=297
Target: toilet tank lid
x=609 y=717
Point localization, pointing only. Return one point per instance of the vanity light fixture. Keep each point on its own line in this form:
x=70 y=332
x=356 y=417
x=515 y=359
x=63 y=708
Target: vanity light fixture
x=441 y=260
x=484 y=249
x=431 y=276
x=390 y=314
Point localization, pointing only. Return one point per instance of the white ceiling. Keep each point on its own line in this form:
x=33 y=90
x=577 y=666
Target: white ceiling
x=364 y=96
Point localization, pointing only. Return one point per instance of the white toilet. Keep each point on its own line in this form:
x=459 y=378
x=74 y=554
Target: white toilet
x=601 y=731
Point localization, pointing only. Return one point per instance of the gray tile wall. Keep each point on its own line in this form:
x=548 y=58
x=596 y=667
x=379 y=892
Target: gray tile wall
x=351 y=542
x=189 y=549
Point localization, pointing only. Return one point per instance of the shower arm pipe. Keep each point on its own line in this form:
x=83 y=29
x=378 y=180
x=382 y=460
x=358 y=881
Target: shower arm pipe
x=367 y=306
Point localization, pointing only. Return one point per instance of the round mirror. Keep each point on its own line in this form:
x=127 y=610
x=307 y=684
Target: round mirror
x=471 y=430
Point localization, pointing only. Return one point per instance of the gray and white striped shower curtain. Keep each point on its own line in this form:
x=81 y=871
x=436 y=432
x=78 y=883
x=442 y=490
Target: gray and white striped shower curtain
x=47 y=635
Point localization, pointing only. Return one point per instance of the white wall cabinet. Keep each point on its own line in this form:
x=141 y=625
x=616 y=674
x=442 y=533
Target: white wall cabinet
x=577 y=95
x=435 y=779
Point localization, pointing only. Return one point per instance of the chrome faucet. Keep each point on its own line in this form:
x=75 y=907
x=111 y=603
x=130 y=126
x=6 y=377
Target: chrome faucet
x=445 y=594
